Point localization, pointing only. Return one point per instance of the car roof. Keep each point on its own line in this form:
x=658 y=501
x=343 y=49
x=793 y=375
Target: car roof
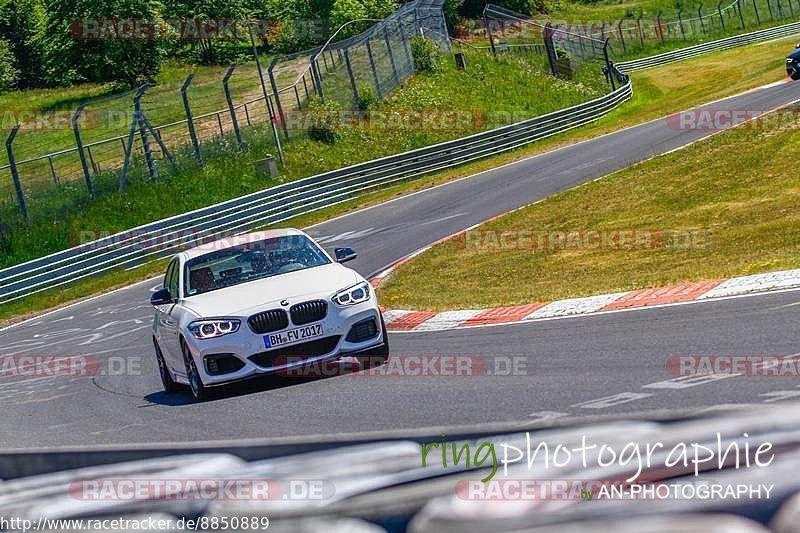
x=238 y=240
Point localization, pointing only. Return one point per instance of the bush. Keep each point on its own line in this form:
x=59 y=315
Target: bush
x=8 y=72
x=367 y=99
x=325 y=120
x=426 y=54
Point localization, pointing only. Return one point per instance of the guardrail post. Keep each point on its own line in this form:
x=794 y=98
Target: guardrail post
x=12 y=163
x=190 y=120
x=277 y=95
x=621 y=36
x=721 y=18
x=231 y=109
x=81 y=153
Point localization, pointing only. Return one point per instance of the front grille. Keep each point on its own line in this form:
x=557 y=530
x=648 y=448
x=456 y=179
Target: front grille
x=222 y=363
x=366 y=329
x=302 y=351
x=269 y=321
x=308 y=312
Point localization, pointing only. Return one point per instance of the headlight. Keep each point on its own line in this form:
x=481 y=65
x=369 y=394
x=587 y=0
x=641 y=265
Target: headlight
x=211 y=329
x=352 y=295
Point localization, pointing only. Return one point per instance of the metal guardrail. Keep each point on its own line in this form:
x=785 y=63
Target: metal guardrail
x=715 y=46
x=165 y=237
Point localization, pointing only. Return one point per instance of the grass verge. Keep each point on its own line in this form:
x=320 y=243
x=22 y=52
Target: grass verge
x=657 y=92
x=720 y=208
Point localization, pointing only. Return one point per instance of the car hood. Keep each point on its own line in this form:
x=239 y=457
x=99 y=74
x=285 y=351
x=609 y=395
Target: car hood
x=247 y=298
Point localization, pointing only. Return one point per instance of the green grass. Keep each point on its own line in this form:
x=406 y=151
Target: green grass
x=517 y=90
x=657 y=92
x=733 y=196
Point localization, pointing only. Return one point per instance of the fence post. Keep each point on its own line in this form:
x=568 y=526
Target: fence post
x=547 y=33
x=278 y=96
x=780 y=8
x=680 y=23
x=639 y=25
x=700 y=16
x=609 y=67
x=190 y=120
x=374 y=69
x=407 y=49
x=621 y=36
x=758 y=17
x=12 y=163
x=139 y=114
x=349 y=67
x=660 y=28
x=316 y=75
x=739 y=10
x=721 y=18
x=491 y=37
x=267 y=101
x=391 y=54
x=81 y=153
x=231 y=109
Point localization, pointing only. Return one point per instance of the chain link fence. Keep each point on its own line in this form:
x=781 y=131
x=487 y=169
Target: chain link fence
x=56 y=160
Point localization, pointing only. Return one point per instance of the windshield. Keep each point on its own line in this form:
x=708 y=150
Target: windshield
x=251 y=261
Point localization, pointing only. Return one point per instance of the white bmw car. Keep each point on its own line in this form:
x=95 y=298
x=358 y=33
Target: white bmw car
x=259 y=304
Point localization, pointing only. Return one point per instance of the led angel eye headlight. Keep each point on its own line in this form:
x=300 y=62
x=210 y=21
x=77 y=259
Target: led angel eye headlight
x=352 y=295
x=211 y=329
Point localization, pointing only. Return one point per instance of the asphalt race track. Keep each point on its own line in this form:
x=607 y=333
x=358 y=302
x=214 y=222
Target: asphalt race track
x=594 y=365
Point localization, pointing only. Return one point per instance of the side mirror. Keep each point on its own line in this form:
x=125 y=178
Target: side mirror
x=343 y=255
x=161 y=297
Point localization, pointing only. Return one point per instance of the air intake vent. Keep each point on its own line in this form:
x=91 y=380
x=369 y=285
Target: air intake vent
x=308 y=312
x=269 y=321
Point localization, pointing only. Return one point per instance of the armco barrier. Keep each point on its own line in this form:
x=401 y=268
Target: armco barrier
x=165 y=237
x=711 y=46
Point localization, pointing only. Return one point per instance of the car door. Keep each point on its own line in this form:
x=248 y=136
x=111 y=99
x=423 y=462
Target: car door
x=168 y=322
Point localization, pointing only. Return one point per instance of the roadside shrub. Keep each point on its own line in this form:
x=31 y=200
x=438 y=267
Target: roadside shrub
x=8 y=72
x=367 y=99
x=426 y=54
x=326 y=120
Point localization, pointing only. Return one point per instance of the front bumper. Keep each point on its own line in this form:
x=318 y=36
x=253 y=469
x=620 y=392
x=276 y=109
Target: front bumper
x=245 y=344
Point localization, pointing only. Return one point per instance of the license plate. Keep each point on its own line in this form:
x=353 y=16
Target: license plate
x=293 y=335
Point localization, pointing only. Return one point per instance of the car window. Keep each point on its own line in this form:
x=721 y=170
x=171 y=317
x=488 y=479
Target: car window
x=251 y=261
x=171 y=279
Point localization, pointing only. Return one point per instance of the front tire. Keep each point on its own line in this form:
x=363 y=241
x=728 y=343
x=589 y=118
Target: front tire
x=166 y=378
x=199 y=391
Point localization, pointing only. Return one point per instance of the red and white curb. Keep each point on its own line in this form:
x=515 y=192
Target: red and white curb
x=399 y=321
